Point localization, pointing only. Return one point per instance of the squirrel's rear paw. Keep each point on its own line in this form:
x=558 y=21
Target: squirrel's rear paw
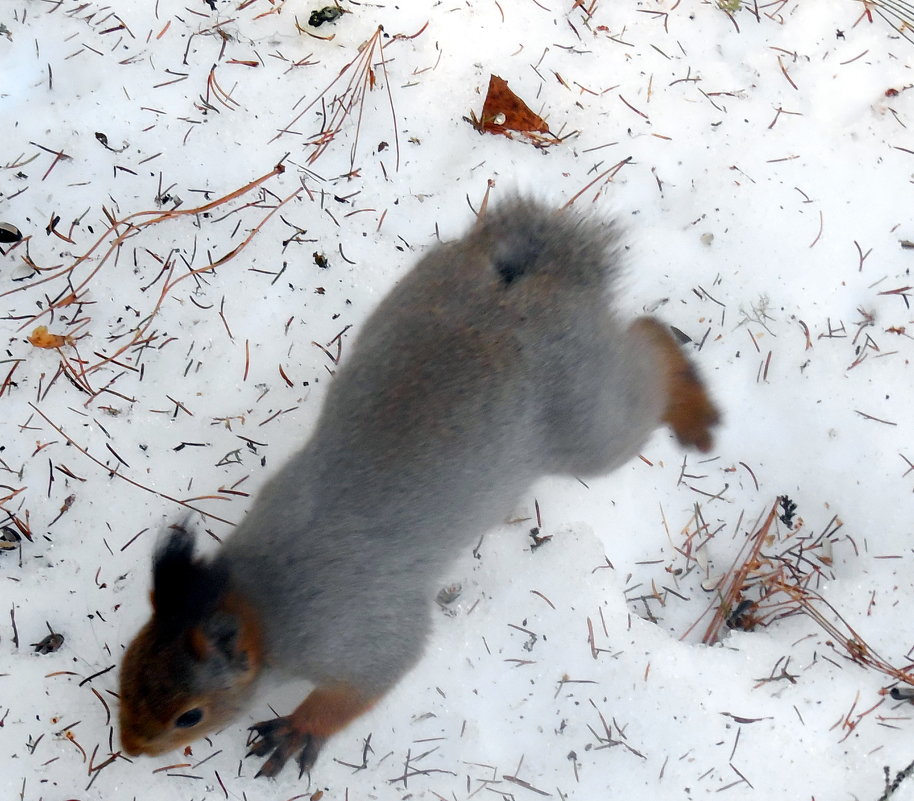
x=690 y=412
x=281 y=739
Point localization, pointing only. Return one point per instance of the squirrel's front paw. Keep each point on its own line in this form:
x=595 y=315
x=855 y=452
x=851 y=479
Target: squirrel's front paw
x=325 y=711
x=281 y=739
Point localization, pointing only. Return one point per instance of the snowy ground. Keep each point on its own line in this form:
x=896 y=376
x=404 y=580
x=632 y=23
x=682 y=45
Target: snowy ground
x=767 y=196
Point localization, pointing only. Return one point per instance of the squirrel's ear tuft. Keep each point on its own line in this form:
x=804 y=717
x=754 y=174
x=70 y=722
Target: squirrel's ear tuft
x=173 y=556
x=184 y=589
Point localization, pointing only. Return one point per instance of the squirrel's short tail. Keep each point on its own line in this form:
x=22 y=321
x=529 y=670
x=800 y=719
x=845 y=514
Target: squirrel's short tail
x=525 y=238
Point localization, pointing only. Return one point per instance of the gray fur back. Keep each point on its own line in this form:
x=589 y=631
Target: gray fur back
x=495 y=361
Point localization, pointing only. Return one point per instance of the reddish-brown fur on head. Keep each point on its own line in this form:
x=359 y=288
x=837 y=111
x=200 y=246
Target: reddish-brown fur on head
x=189 y=669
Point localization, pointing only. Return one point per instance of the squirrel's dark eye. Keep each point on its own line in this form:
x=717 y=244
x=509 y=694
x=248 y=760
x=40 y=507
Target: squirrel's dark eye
x=190 y=718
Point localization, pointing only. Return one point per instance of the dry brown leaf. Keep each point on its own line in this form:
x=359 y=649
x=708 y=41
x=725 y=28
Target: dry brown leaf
x=42 y=338
x=504 y=111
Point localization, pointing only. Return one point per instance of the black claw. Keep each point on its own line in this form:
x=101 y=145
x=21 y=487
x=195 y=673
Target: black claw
x=259 y=748
x=280 y=740
x=308 y=755
x=266 y=726
x=271 y=768
x=267 y=729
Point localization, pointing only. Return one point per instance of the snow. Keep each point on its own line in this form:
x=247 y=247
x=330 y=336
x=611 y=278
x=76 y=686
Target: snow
x=767 y=192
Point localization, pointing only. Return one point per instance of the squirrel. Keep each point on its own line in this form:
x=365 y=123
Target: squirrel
x=498 y=359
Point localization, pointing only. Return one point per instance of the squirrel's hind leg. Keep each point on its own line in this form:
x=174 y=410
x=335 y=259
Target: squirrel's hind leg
x=323 y=713
x=689 y=411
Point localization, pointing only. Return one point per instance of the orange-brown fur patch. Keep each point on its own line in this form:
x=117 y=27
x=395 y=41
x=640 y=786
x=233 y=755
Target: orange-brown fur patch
x=689 y=411
x=328 y=709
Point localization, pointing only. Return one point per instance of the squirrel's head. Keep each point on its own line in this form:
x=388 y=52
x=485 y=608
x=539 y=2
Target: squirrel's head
x=189 y=669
